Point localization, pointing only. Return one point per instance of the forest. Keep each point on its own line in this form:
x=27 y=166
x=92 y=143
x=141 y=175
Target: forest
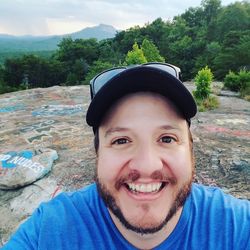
x=209 y=35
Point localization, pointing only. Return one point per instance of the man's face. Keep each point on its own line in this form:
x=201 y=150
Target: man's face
x=145 y=162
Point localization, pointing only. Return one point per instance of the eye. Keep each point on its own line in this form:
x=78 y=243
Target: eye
x=120 y=141
x=167 y=139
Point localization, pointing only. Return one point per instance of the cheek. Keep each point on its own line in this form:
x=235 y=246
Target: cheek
x=109 y=165
x=180 y=163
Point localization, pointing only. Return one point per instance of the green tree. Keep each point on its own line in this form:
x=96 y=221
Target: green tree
x=108 y=53
x=135 y=56
x=151 y=52
x=184 y=47
x=208 y=56
x=70 y=50
x=3 y=86
x=233 y=54
x=158 y=32
x=56 y=74
x=71 y=79
x=13 y=72
x=183 y=52
x=1 y=72
x=34 y=71
x=234 y=17
x=203 y=82
x=77 y=55
x=124 y=40
x=193 y=18
x=96 y=68
x=211 y=10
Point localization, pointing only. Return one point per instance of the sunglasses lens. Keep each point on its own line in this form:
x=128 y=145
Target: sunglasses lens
x=169 y=69
x=98 y=82
x=103 y=78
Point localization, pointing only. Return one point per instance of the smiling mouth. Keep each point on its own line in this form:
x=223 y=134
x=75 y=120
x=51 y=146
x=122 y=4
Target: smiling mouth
x=145 y=188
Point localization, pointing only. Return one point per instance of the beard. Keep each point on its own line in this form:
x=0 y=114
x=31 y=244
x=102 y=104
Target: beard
x=111 y=203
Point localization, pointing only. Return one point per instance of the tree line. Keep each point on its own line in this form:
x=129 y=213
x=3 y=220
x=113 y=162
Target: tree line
x=209 y=35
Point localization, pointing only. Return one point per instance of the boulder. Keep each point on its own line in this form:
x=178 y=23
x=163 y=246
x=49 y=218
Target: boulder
x=41 y=191
x=18 y=169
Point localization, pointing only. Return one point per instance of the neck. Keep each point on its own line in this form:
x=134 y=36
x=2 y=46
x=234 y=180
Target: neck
x=147 y=241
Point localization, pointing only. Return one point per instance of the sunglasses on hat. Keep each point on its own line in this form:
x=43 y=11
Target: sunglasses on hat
x=101 y=79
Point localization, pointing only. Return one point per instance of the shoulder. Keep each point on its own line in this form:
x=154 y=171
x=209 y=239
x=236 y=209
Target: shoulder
x=73 y=201
x=216 y=202
x=225 y=219
x=70 y=219
x=215 y=194
x=87 y=193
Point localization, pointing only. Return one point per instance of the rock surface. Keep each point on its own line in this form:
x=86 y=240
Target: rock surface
x=18 y=169
x=32 y=195
x=55 y=118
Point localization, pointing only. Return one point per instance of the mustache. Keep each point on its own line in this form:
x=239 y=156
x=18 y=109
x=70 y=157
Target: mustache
x=134 y=175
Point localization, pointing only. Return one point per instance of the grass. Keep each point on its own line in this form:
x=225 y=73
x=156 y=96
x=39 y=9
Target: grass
x=245 y=92
x=210 y=103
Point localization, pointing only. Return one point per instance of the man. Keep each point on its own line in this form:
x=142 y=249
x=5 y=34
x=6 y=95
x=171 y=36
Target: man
x=143 y=197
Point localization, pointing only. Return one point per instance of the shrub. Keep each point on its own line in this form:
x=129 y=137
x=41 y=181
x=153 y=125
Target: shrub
x=151 y=52
x=245 y=91
x=209 y=103
x=203 y=82
x=71 y=79
x=4 y=88
x=244 y=79
x=231 y=81
x=135 y=56
x=239 y=82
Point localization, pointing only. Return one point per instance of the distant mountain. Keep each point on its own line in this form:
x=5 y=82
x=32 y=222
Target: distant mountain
x=99 y=32
x=9 y=43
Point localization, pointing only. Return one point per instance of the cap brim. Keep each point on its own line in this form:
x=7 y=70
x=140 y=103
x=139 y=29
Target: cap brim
x=137 y=79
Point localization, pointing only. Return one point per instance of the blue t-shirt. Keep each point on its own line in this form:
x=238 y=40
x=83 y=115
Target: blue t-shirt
x=80 y=220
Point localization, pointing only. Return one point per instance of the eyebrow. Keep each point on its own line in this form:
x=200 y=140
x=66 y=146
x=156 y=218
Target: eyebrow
x=169 y=127
x=123 y=129
x=115 y=129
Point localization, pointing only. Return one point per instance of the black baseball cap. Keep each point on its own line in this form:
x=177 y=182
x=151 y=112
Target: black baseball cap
x=111 y=85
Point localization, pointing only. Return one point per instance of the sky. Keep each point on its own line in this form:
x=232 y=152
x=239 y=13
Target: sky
x=54 y=17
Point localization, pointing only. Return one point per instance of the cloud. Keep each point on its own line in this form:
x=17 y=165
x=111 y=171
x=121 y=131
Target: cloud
x=18 y=18
x=64 y=16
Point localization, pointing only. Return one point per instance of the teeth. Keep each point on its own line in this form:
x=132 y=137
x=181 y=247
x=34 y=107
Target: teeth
x=144 y=188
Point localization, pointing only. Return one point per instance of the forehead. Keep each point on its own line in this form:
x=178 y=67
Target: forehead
x=139 y=105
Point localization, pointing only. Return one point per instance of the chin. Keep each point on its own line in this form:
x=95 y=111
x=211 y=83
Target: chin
x=145 y=220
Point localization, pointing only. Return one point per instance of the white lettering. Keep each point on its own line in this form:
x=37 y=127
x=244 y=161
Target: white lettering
x=37 y=167
x=27 y=163
x=4 y=157
x=21 y=160
x=14 y=160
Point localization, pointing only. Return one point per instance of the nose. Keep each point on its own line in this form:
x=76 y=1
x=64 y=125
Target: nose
x=146 y=160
